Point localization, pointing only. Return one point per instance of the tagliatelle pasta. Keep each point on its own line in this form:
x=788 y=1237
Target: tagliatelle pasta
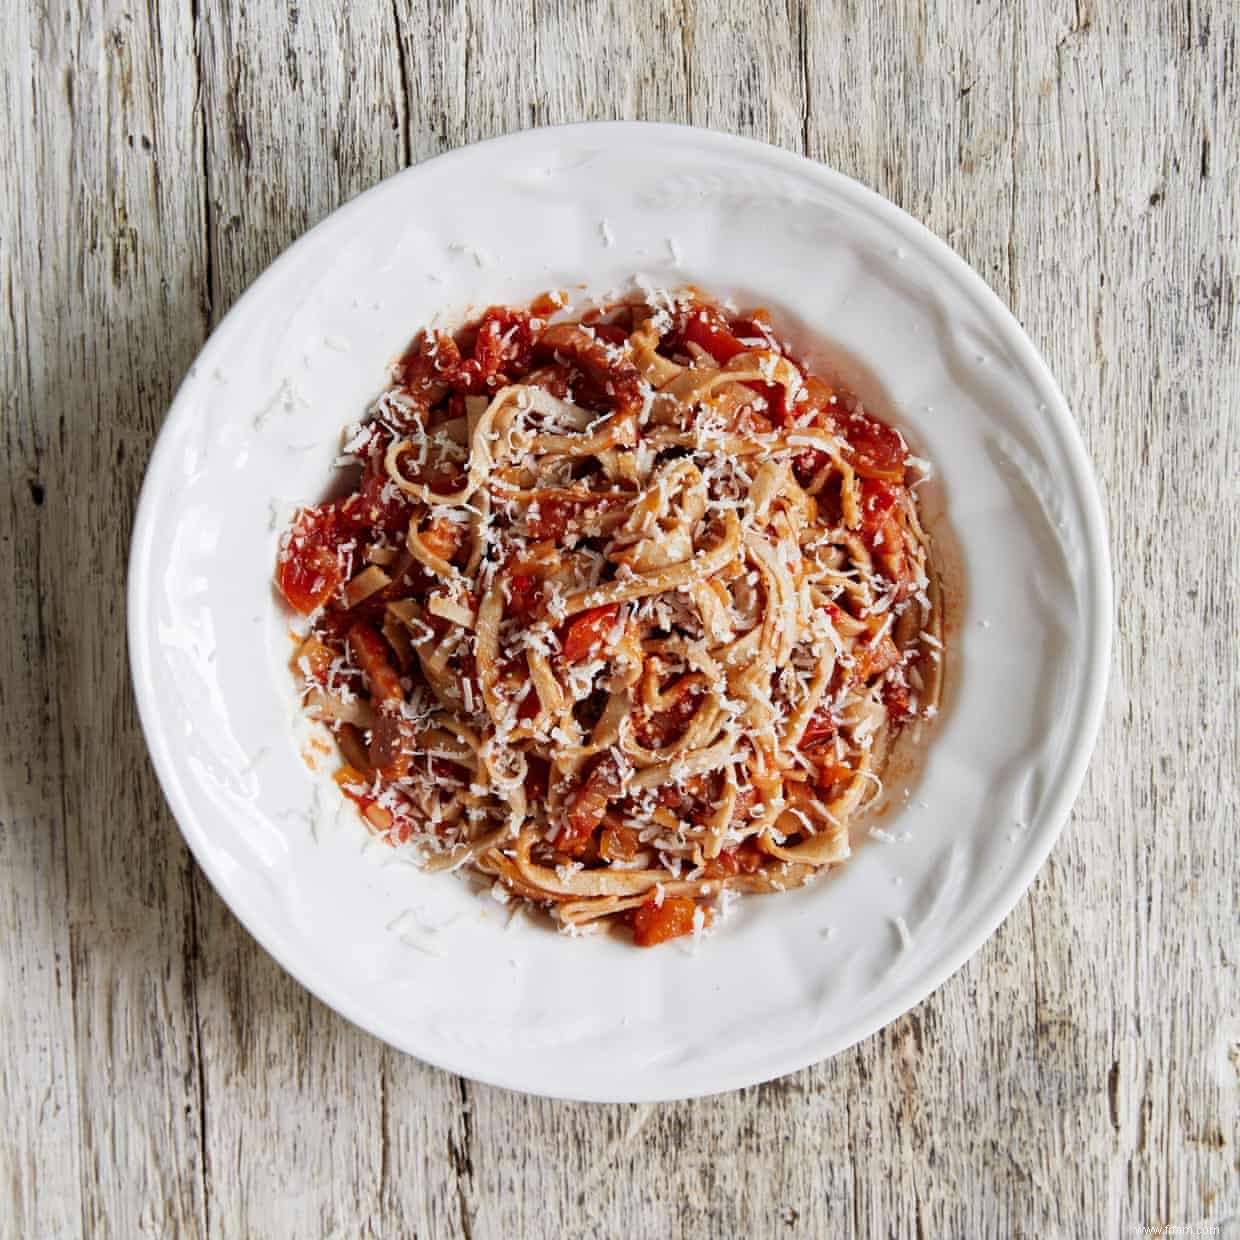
x=623 y=613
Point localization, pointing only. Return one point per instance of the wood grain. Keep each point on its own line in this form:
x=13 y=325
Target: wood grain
x=160 y=1075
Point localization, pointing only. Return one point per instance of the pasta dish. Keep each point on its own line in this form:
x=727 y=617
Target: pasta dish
x=623 y=612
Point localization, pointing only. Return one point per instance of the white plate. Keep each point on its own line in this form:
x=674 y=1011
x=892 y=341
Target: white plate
x=422 y=960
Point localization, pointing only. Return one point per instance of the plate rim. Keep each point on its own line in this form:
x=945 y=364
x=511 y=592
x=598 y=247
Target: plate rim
x=1097 y=580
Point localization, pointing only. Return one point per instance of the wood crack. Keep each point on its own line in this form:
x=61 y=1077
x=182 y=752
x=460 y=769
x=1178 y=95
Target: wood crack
x=208 y=223
x=192 y=952
x=1113 y=1078
x=803 y=43
x=462 y=1159
x=192 y=958
x=406 y=138
x=535 y=108
x=686 y=58
x=1012 y=220
x=385 y=1151
x=466 y=67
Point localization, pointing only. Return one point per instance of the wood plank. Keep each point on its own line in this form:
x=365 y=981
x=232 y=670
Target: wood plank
x=40 y=1165
x=104 y=262
x=1138 y=245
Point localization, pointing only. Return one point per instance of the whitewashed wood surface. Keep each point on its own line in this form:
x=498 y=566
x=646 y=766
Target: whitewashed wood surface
x=160 y=1076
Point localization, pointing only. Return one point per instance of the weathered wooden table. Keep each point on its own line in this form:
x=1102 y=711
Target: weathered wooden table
x=159 y=1075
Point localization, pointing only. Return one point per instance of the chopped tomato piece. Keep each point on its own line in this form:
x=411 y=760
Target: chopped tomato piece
x=831 y=773
x=709 y=330
x=575 y=834
x=749 y=856
x=898 y=701
x=397 y=827
x=551 y=518
x=609 y=370
x=587 y=806
x=821 y=398
x=425 y=365
x=501 y=347
x=877 y=501
x=350 y=778
x=530 y=704
x=877 y=449
x=656 y=923
x=744 y=858
x=379 y=505
x=618 y=844
x=706 y=328
x=314 y=660
x=875 y=658
x=587 y=631
x=355 y=786
x=382 y=508
x=548 y=303
x=757 y=329
x=821 y=727
x=884 y=532
x=524 y=595
x=486 y=355
x=818 y=398
x=556 y=377
x=657 y=730
x=776 y=398
x=443 y=538
x=371 y=653
x=310 y=568
x=611 y=333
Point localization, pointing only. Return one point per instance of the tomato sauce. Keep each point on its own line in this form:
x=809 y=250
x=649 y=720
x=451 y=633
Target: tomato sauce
x=588 y=364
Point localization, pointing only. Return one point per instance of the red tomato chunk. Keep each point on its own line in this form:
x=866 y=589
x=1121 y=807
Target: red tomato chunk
x=878 y=451
x=588 y=631
x=309 y=571
x=656 y=923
